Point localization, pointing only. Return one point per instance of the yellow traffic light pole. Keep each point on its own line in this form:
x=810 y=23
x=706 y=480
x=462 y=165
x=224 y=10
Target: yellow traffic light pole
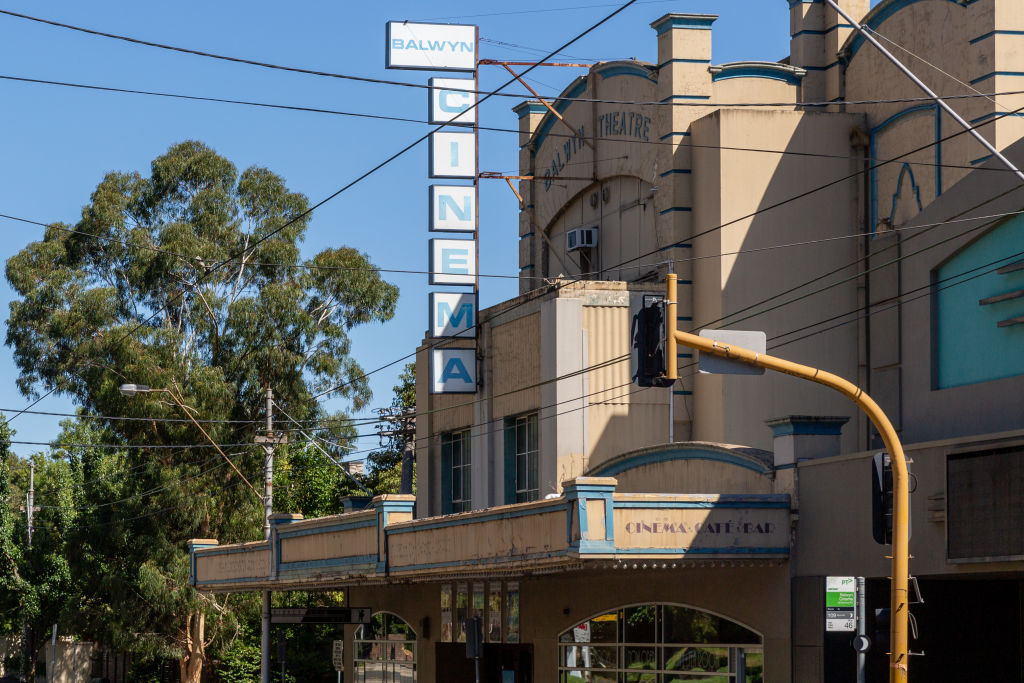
x=898 y=656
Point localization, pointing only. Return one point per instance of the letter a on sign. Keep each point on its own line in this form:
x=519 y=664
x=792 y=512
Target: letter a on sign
x=452 y=315
x=452 y=155
x=453 y=371
x=452 y=207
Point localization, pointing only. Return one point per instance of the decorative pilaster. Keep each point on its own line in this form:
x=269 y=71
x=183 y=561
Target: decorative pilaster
x=590 y=524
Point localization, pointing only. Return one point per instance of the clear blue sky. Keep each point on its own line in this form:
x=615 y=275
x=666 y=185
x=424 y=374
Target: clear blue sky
x=58 y=142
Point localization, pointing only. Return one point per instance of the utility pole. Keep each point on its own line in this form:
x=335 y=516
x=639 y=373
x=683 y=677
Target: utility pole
x=268 y=441
x=30 y=510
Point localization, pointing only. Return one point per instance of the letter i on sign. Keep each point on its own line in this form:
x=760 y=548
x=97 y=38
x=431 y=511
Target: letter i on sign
x=452 y=155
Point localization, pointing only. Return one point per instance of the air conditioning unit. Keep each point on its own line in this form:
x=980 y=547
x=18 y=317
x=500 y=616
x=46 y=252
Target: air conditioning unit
x=581 y=238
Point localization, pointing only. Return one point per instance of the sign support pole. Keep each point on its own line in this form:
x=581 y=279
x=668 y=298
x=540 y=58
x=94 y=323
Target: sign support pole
x=898 y=596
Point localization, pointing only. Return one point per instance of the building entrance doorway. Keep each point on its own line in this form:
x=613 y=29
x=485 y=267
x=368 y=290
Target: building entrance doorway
x=501 y=663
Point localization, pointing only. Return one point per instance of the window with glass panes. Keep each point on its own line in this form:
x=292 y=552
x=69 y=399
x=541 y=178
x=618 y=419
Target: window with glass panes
x=457 y=471
x=659 y=643
x=522 y=455
x=385 y=651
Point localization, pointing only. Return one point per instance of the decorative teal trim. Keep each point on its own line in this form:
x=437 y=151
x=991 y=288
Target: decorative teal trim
x=774 y=503
x=873 y=145
x=555 y=506
x=787 y=466
x=524 y=109
x=702 y=551
x=684 y=61
x=820 y=33
x=982 y=37
x=677 y=245
x=980 y=160
x=675 y=208
x=993 y=74
x=668 y=135
x=618 y=466
x=619 y=69
x=526 y=267
x=794 y=3
x=821 y=68
x=529 y=234
x=905 y=170
x=283 y=534
x=684 y=319
x=775 y=73
x=228 y=550
x=355 y=560
x=676 y=170
x=560 y=105
x=878 y=15
x=668 y=22
x=248 y=579
x=994 y=114
x=686 y=97
x=684 y=355
x=682 y=392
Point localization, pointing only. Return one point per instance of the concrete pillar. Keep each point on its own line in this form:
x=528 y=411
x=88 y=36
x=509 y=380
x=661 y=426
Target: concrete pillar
x=817 y=33
x=563 y=420
x=802 y=437
x=531 y=244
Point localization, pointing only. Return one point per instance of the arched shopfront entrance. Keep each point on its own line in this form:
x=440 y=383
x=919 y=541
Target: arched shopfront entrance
x=659 y=643
x=385 y=650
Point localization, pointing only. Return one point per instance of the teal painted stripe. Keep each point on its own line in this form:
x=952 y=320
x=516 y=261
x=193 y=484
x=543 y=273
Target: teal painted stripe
x=684 y=318
x=702 y=23
x=794 y=3
x=675 y=208
x=677 y=245
x=992 y=74
x=228 y=550
x=821 y=68
x=328 y=529
x=982 y=37
x=676 y=170
x=668 y=135
x=686 y=97
x=684 y=355
x=684 y=61
x=995 y=114
x=820 y=33
x=705 y=504
x=624 y=70
x=364 y=560
x=555 y=506
x=526 y=267
x=702 y=551
x=620 y=466
x=210 y=582
x=529 y=234
x=981 y=160
x=682 y=392
x=787 y=466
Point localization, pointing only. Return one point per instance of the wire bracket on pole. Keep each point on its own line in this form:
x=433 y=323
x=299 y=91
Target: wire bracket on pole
x=540 y=99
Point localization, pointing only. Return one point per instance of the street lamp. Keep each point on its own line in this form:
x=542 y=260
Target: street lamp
x=134 y=389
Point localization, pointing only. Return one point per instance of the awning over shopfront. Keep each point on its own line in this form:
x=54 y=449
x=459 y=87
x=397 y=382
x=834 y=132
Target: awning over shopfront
x=589 y=525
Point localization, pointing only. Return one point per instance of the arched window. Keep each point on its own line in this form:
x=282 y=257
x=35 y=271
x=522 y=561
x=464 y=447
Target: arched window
x=659 y=643
x=385 y=651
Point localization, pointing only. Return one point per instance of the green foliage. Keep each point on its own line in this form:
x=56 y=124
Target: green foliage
x=384 y=466
x=240 y=661
x=11 y=583
x=130 y=294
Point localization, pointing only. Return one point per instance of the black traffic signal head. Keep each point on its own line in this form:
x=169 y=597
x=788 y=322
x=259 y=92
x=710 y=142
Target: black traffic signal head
x=648 y=338
x=880 y=633
x=881 y=498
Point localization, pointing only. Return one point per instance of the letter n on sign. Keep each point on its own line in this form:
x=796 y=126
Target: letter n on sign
x=453 y=371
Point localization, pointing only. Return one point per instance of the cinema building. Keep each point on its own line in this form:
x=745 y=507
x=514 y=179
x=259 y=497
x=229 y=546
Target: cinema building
x=608 y=532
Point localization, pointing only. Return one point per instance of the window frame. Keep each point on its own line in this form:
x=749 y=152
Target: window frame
x=522 y=458
x=456 y=440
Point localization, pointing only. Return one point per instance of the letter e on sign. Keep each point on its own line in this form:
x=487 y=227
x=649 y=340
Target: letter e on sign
x=452 y=262
x=453 y=371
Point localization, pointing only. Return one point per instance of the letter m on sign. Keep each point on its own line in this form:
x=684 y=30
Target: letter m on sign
x=452 y=314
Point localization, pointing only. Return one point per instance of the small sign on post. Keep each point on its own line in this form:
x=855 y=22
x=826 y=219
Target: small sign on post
x=338 y=655
x=840 y=603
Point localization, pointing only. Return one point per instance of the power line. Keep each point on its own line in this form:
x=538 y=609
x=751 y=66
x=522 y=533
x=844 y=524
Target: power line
x=343 y=188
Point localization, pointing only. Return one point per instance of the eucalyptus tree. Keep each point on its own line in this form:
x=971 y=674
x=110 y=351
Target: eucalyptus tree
x=189 y=279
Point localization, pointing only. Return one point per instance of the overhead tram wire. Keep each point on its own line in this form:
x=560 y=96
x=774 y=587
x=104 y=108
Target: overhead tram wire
x=365 y=175
x=553 y=98
x=383 y=81
x=541 y=292
x=859 y=312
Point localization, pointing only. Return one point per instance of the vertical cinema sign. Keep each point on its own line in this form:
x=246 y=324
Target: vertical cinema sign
x=453 y=159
